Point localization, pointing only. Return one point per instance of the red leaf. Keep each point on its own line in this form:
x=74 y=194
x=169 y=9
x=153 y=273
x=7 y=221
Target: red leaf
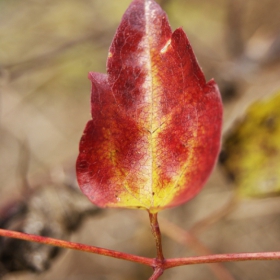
x=156 y=124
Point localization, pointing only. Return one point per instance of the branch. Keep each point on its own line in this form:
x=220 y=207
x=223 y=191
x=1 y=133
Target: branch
x=260 y=256
x=159 y=266
x=157 y=273
x=77 y=246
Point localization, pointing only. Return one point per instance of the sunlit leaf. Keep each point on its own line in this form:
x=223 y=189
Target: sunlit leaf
x=251 y=153
x=156 y=124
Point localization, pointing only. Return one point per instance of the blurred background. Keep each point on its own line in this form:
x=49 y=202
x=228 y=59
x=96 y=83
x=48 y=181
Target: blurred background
x=47 y=48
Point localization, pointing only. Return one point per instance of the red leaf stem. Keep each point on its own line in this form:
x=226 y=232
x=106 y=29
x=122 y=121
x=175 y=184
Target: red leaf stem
x=157 y=236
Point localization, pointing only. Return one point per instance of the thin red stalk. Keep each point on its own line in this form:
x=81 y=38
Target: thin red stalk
x=157 y=273
x=159 y=266
x=77 y=246
x=157 y=235
x=184 y=237
x=260 y=256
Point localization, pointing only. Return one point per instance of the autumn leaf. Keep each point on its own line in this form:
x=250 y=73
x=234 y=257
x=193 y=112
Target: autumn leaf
x=251 y=153
x=156 y=124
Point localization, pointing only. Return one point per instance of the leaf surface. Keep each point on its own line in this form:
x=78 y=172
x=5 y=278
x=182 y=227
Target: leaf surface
x=156 y=124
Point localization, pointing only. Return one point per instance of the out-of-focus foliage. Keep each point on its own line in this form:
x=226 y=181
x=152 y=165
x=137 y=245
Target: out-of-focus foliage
x=252 y=150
